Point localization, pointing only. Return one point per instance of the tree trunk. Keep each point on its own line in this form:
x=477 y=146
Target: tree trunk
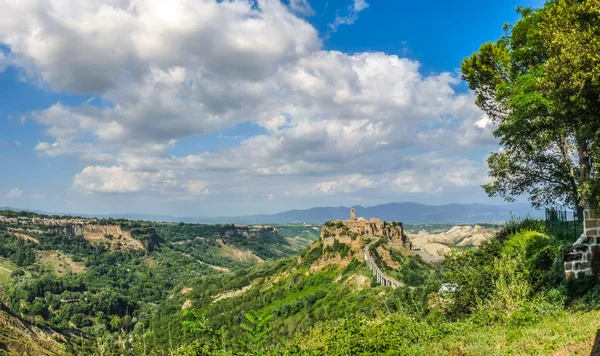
x=566 y=153
x=584 y=171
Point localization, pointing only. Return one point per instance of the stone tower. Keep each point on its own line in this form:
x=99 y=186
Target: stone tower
x=352 y=214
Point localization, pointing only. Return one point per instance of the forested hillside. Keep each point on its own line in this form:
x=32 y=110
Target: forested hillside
x=511 y=298
x=196 y=290
x=103 y=278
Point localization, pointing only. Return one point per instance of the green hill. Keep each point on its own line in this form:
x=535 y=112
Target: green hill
x=190 y=291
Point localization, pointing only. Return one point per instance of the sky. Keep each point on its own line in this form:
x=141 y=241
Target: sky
x=222 y=108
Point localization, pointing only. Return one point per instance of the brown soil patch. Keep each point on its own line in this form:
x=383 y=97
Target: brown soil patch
x=26 y=237
x=238 y=254
x=186 y=290
x=216 y=268
x=60 y=262
x=358 y=282
x=150 y=262
x=335 y=260
x=232 y=294
x=387 y=257
x=186 y=304
x=281 y=276
x=581 y=348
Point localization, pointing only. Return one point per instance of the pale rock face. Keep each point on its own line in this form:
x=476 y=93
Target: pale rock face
x=439 y=244
x=111 y=234
x=349 y=230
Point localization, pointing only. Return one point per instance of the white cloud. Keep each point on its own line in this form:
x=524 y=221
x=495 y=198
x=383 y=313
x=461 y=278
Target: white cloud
x=351 y=14
x=16 y=144
x=107 y=180
x=197 y=187
x=3 y=62
x=301 y=7
x=347 y=184
x=15 y=193
x=160 y=72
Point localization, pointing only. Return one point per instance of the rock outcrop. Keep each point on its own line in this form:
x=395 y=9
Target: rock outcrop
x=98 y=234
x=434 y=246
x=68 y=230
x=344 y=240
x=350 y=230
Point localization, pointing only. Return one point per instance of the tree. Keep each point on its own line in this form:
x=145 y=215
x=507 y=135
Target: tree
x=531 y=87
x=572 y=79
x=258 y=332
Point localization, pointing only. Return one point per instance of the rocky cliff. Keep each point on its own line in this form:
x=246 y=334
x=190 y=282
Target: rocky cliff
x=97 y=234
x=344 y=240
x=347 y=231
x=69 y=230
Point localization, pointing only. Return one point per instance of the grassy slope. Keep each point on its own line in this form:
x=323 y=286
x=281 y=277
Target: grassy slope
x=19 y=337
x=567 y=334
x=6 y=268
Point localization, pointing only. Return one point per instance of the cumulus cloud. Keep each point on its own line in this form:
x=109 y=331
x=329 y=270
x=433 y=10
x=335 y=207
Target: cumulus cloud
x=107 y=180
x=160 y=72
x=15 y=193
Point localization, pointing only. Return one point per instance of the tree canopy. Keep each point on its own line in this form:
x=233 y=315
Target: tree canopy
x=540 y=84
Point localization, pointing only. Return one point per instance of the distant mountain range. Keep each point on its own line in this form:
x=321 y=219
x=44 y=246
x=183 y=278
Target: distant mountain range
x=409 y=213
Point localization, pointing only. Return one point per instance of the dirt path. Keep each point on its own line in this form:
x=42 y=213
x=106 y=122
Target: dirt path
x=216 y=268
x=582 y=348
x=232 y=294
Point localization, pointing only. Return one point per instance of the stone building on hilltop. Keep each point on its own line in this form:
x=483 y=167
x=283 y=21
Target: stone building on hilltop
x=350 y=230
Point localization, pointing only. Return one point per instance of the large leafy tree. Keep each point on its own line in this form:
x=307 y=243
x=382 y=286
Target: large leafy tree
x=539 y=84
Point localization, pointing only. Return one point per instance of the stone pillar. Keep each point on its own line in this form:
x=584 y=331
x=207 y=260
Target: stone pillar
x=583 y=258
x=352 y=214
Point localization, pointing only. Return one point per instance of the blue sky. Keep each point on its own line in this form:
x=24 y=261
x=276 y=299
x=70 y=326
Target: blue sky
x=196 y=107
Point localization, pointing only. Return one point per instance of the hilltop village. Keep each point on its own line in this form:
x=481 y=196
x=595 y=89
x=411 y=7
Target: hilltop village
x=46 y=221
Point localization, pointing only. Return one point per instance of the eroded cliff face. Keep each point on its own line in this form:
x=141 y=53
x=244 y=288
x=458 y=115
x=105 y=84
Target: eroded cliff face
x=235 y=232
x=102 y=234
x=344 y=240
x=433 y=246
x=76 y=230
x=349 y=231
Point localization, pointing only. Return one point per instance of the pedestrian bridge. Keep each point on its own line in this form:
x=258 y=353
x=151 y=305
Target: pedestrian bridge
x=382 y=278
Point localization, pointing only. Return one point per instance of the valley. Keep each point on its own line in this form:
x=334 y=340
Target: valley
x=299 y=178
x=181 y=288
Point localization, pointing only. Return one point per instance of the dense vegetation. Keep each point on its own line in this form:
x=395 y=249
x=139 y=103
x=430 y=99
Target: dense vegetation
x=164 y=301
x=539 y=84
x=509 y=292
x=103 y=291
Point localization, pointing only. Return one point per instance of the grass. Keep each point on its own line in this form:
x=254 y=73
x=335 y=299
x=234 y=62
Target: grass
x=60 y=262
x=6 y=268
x=568 y=334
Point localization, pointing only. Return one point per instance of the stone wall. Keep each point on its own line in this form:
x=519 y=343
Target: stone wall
x=583 y=258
